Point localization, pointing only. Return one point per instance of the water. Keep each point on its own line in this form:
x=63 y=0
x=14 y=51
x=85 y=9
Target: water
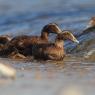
x=75 y=73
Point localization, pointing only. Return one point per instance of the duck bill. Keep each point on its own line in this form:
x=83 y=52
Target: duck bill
x=76 y=41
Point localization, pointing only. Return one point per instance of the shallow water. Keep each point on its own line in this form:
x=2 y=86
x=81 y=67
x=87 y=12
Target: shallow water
x=76 y=72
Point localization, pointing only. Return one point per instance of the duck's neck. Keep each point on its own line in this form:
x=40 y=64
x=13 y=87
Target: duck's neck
x=59 y=43
x=44 y=35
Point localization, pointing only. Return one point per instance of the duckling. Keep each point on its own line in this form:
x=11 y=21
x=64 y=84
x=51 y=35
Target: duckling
x=53 y=51
x=4 y=39
x=91 y=22
x=90 y=27
x=23 y=44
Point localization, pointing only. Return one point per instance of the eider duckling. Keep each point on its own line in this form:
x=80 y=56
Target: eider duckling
x=3 y=40
x=23 y=44
x=90 y=27
x=53 y=51
x=91 y=22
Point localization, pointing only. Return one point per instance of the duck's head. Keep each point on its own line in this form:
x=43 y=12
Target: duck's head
x=67 y=35
x=7 y=37
x=91 y=22
x=52 y=28
x=4 y=39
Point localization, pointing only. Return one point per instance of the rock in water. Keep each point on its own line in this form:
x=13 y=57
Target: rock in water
x=7 y=71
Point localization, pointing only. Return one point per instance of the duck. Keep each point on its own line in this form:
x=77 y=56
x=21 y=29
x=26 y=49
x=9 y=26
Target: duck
x=89 y=28
x=53 y=51
x=23 y=44
x=3 y=40
x=91 y=22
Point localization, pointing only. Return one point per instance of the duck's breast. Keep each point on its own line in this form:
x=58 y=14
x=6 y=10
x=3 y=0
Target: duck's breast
x=48 y=52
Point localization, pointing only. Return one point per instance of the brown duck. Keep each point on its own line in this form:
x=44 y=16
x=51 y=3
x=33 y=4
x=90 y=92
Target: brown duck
x=90 y=27
x=23 y=44
x=53 y=51
x=3 y=40
x=91 y=22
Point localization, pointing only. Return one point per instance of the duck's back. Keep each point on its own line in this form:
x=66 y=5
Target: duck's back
x=24 y=43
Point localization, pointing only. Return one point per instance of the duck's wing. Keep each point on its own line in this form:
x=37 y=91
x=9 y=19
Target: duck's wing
x=53 y=53
x=6 y=51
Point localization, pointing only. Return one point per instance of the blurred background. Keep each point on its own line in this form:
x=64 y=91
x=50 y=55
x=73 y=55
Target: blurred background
x=71 y=77
x=21 y=16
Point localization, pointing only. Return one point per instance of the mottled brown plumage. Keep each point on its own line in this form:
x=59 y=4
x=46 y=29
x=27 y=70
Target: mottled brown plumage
x=89 y=28
x=91 y=22
x=53 y=51
x=4 y=39
x=23 y=44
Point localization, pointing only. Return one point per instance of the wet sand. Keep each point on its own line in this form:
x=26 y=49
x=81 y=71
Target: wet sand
x=50 y=78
